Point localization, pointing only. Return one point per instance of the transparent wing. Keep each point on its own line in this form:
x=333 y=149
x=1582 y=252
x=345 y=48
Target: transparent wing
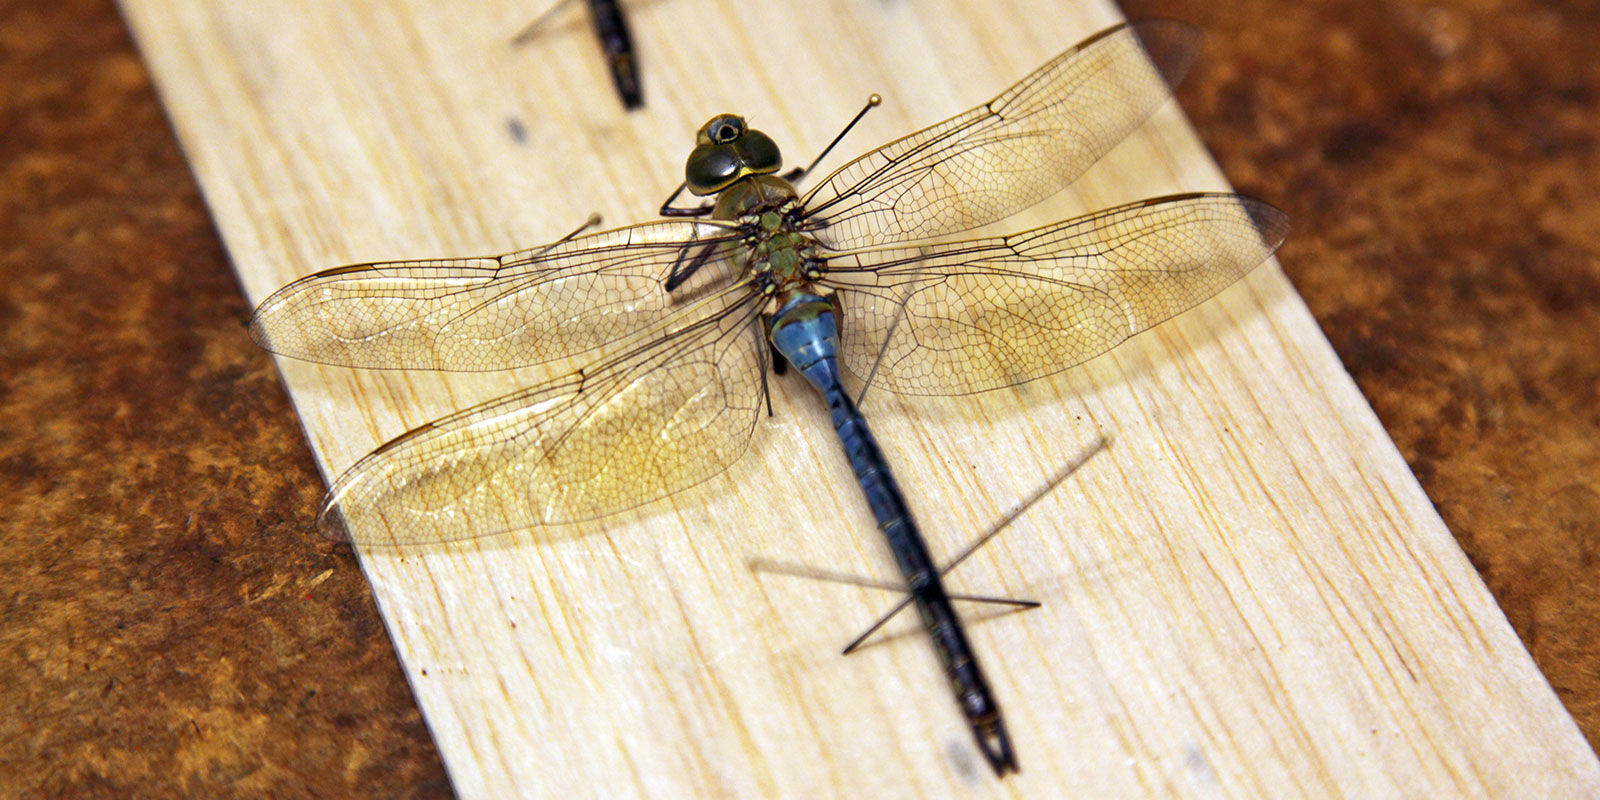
x=476 y=314
x=664 y=415
x=961 y=317
x=1001 y=157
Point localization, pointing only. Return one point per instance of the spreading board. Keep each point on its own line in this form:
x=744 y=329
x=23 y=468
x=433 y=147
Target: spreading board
x=1247 y=595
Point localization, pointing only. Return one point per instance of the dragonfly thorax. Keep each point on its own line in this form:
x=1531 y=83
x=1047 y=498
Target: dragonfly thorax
x=754 y=195
x=777 y=255
x=785 y=259
x=780 y=258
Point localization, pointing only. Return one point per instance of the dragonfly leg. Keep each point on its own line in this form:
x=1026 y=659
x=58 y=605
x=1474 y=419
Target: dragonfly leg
x=677 y=276
x=612 y=29
x=780 y=365
x=778 y=361
x=667 y=209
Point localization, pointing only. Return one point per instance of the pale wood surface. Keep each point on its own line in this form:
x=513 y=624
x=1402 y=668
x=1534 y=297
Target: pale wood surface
x=1248 y=595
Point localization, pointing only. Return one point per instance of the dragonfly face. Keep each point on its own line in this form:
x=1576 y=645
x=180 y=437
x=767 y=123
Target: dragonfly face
x=727 y=150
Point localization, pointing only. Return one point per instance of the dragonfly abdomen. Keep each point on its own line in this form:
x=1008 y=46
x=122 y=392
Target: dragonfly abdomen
x=805 y=332
x=922 y=579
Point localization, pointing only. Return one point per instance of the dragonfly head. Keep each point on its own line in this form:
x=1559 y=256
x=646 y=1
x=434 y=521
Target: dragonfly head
x=727 y=150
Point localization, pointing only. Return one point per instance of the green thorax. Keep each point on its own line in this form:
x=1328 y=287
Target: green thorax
x=780 y=252
x=754 y=194
x=774 y=250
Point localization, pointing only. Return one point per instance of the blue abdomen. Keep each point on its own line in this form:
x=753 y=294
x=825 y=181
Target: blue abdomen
x=805 y=332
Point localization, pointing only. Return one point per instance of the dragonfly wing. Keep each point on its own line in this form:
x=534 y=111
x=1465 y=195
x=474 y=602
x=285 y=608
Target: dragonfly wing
x=961 y=317
x=477 y=314
x=660 y=418
x=1001 y=157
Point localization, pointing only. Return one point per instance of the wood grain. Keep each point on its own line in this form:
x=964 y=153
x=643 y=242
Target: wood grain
x=1248 y=592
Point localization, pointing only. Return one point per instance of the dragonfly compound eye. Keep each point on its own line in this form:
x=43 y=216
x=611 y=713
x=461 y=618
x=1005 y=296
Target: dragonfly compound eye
x=727 y=151
x=712 y=168
x=759 y=153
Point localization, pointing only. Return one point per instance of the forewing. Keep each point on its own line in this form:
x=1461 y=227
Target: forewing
x=1001 y=157
x=660 y=418
x=476 y=314
x=961 y=317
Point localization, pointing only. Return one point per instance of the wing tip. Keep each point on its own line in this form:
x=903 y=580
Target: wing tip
x=334 y=519
x=331 y=522
x=261 y=319
x=1270 y=222
x=1172 y=45
x=259 y=333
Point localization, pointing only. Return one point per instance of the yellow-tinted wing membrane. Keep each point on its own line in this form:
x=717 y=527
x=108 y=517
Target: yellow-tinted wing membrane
x=961 y=317
x=667 y=413
x=1001 y=157
x=478 y=314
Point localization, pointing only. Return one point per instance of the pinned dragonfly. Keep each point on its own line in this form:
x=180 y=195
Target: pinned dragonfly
x=680 y=316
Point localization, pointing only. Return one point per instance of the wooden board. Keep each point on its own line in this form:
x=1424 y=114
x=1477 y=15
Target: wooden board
x=1247 y=594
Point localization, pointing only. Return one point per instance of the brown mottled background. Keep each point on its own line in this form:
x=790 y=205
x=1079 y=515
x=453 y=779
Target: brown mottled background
x=169 y=628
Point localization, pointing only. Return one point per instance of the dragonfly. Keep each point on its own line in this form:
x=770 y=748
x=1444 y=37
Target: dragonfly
x=677 y=323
